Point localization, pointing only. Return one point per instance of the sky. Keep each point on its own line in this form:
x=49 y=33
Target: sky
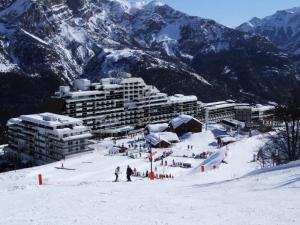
x=231 y=12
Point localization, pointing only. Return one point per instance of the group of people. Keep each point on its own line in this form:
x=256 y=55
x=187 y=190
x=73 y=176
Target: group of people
x=129 y=173
x=190 y=147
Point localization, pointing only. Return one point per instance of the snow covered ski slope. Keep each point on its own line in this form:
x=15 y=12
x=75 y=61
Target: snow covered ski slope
x=234 y=194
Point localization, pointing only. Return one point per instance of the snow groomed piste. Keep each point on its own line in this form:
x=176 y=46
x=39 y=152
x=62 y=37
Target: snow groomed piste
x=214 y=161
x=88 y=196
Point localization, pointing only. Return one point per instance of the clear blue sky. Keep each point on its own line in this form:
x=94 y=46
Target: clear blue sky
x=231 y=12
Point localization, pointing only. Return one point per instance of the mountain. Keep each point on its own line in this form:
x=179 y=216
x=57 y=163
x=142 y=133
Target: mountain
x=45 y=43
x=282 y=28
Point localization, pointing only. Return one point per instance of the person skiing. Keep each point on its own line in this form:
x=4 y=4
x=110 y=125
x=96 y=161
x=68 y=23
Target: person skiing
x=117 y=172
x=129 y=172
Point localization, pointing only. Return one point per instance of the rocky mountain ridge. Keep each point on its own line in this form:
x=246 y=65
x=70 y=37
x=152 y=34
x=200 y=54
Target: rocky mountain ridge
x=282 y=28
x=55 y=41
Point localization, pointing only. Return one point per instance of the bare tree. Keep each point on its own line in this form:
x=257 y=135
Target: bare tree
x=284 y=145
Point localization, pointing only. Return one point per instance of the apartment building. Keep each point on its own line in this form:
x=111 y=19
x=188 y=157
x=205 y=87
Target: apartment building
x=46 y=137
x=115 y=105
x=251 y=115
x=215 y=112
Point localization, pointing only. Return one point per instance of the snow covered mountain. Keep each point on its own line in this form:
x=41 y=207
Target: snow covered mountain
x=47 y=42
x=282 y=28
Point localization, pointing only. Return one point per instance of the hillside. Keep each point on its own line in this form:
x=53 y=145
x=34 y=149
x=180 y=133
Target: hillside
x=58 y=41
x=236 y=193
x=282 y=28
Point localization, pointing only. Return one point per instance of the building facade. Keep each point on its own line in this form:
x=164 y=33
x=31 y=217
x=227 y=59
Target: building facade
x=215 y=112
x=46 y=137
x=251 y=115
x=117 y=105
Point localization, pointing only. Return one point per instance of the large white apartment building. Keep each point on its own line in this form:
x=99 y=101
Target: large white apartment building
x=215 y=112
x=118 y=105
x=46 y=137
x=251 y=115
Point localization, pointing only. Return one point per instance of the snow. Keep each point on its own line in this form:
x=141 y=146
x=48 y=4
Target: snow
x=182 y=119
x=155 y=138
x=154 y=128
x=50 y=119
x=139 y=5
x=170 y=32
x=73 y=33
x=263 y=108
x=76 y=137
x=232 y=194
x=182 y=98
x=34 y=37
x=6 y=67
x=226 y=70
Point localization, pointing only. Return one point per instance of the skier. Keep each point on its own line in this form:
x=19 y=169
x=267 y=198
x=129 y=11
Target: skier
x=129 y=172
x=117 y=172
x=254 y=157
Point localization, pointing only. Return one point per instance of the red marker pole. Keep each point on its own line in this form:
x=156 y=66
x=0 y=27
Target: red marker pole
x=151 y=174
x=202 y=169
x=40 y=179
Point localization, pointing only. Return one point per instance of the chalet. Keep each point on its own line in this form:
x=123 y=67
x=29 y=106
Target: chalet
x=162 y=140
x=231 y=124
x=156 y=128
x=184 y=124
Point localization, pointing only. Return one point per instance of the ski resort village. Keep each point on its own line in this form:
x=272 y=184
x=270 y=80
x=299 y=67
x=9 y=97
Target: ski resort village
x=133 y=112
x=122 y=152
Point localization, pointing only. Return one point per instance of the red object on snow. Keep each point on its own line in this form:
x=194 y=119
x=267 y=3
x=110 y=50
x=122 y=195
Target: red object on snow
x=40 y=179
x=151 y=175
x=202 y=169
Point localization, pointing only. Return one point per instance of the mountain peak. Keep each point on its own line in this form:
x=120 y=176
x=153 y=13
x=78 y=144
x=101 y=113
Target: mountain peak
x=155 y=3
x=292 y=10
x=282 y=28
x=146 y=4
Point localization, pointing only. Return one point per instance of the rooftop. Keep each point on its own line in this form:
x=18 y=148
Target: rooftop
x=50 y=119
x=182 y=119
x=262 y=108
x=182 y=98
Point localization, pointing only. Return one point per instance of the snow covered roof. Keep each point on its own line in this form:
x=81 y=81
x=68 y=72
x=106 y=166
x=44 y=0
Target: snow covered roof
x=262 y=108
x=62 y=131
x=232 y=123
x=169 y=136
x=81 y=93
x=50 y=119
x=13 y=121
x=220 y=106
x=228 y=139
x=76 y=137
x=182 y=119
x=154 y=128
x=218 y=103
x=156 y=138
x=182 y=98
x=132 y=80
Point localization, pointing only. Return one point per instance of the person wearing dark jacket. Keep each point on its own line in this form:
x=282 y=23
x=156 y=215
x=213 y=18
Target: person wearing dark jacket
x=117 y=172
x=129 y=172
